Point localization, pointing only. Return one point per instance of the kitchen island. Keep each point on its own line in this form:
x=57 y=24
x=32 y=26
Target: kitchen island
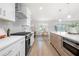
x=63 y=41
x=71 y=37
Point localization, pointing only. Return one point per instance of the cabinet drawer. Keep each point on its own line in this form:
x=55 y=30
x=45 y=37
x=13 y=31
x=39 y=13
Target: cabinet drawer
x=14 y=49
x=22 y=47
x=10 y=50
x=6 y=51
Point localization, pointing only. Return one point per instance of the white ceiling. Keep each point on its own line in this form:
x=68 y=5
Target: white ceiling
x=54 y=11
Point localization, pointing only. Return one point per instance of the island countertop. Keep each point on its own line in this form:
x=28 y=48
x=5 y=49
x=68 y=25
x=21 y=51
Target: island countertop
x=72 y=37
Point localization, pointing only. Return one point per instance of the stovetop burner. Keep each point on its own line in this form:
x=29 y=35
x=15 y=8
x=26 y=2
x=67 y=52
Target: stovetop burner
x=21 y=33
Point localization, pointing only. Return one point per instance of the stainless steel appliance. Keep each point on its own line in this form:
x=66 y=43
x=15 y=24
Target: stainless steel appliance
x=27 y=40
x=72 y=46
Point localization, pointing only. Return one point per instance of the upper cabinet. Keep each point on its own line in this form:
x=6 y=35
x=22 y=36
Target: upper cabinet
x=7 y=11
x=20 y=9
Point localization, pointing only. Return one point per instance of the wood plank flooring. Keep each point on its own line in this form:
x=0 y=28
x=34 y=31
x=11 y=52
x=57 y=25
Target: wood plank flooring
x=42 y=47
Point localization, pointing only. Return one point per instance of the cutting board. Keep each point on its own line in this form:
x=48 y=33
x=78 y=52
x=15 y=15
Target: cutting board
x=2 y=33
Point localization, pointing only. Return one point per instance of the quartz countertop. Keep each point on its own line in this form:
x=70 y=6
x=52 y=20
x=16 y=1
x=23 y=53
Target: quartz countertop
x=8 y=41
x=72 y=37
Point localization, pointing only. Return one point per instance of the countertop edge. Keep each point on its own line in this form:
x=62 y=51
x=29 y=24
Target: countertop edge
x=11 y=43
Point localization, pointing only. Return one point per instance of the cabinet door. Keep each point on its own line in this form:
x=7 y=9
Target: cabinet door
x=2 y=10
x=9 y=51
x=17 y=53
x=52 y=39
x=57 y=42
x=7 y=11
x=10 y=11
x=22 y=47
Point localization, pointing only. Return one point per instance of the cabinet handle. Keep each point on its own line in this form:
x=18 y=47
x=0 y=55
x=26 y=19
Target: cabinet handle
x=4 y=13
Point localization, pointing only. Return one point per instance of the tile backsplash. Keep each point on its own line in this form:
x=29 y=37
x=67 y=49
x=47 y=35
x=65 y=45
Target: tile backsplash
x=13 y=26
x=4 y=24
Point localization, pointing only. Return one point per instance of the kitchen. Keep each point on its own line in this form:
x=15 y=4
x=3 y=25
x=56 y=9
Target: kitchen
x=39 y=29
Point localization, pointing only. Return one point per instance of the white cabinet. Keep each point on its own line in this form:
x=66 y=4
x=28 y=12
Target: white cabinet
x=10 y=50
x=22 y=47
x=7 y=11
x=15 y=49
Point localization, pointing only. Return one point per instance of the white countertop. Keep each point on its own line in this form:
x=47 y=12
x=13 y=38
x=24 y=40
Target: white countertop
x=9 y=40
x=69 y=36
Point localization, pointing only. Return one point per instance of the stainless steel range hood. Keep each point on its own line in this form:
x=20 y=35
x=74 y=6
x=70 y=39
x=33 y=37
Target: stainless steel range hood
x=20 y=15
x=20 y=11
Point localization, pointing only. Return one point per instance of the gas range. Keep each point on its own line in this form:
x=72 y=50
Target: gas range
x=27 y=39
x=21 y=33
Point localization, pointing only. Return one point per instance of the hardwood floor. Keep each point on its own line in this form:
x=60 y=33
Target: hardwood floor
x=42 y=47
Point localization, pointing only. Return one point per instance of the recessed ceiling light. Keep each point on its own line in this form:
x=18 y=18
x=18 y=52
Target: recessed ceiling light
x=69 y=16
x=59 y=20
x=41 y=8
x=67 y=3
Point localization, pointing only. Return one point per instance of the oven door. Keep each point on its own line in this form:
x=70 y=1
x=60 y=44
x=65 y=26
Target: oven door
x=27 y=45
x=72 y=47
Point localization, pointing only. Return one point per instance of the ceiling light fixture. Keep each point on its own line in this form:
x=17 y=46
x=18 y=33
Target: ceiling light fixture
x=41 y=8
x=67 y=3
x=59 y=20
x=69 y=16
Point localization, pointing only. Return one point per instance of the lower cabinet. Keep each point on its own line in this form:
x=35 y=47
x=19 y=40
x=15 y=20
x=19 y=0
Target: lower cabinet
x=22 y=48
x=15 y=49
x=57 y=43
x=17 y=54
